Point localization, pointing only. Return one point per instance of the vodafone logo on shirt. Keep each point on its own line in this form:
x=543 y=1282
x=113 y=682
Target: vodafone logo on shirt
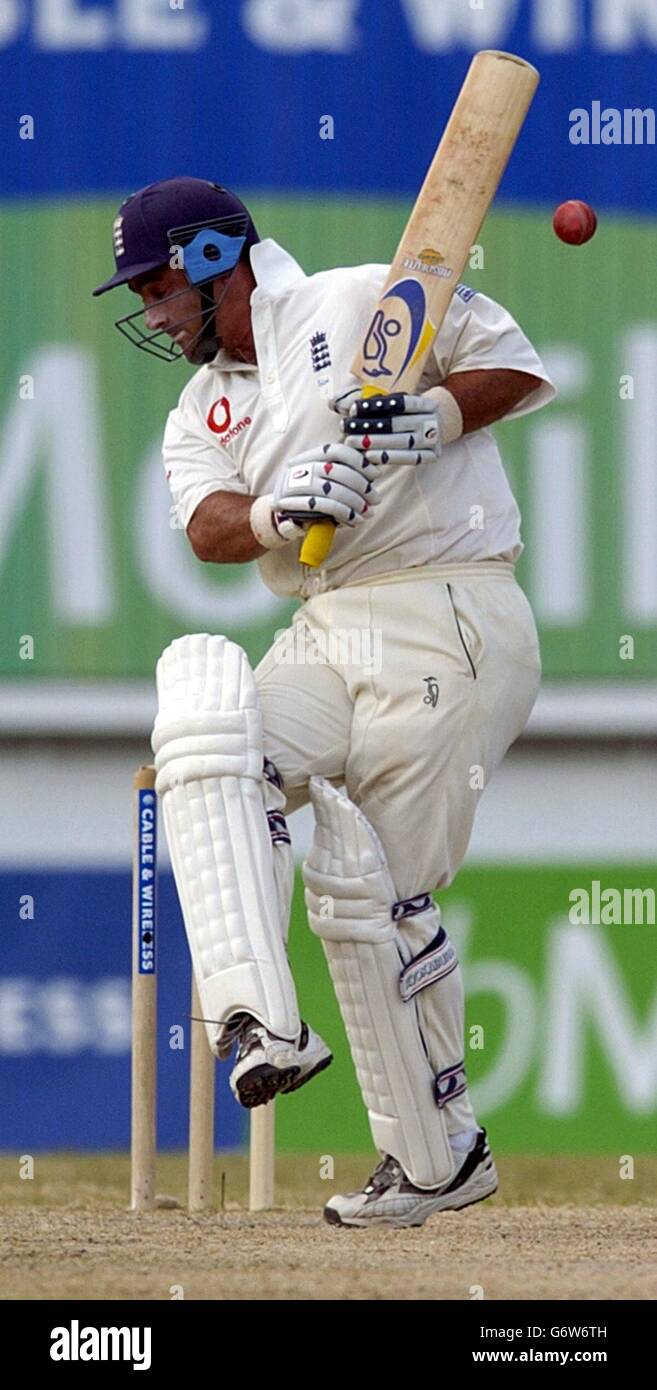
x=219 y=419
x=222 y=423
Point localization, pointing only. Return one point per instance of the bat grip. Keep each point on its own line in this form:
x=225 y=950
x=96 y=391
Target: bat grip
x=317 y=543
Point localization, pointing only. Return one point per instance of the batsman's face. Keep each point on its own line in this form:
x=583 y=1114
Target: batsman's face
x=171 y=306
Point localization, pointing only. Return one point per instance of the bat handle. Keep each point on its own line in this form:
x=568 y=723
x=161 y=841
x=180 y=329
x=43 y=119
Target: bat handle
x=317 y=543
x=318 y=539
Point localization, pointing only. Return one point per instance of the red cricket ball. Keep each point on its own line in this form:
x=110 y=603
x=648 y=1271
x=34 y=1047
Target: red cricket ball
x=574 y=222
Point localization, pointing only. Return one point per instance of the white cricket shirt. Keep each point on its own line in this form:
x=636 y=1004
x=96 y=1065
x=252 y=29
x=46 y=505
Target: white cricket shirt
x=237 y=425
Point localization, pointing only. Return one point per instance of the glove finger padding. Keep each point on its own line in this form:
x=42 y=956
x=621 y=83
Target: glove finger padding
x=337 y=485
x=396 y=455
x=392 y=429
x=399 y=403
x=341 y=503
x=417 y=429
x=350 y=456
x=409 y=448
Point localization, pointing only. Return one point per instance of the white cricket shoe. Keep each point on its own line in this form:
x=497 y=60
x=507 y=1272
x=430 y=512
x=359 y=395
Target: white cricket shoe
x=389 y=1199
x=267 y=1066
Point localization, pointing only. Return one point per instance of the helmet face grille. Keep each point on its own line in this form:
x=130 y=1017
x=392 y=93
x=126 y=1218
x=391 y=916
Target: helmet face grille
x=158 y=343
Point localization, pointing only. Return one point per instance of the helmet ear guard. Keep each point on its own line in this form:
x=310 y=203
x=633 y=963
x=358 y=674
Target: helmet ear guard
x=207 y=252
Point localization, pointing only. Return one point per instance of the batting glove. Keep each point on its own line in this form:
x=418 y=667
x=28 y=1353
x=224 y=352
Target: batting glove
x=332 y=481
x=391 y=429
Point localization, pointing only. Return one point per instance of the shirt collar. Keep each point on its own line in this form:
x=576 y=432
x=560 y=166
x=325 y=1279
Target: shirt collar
x=276 y=272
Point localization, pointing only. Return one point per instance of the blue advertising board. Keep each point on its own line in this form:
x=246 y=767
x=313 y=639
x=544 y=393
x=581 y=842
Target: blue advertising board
x=65 y=1015
x=314 y=95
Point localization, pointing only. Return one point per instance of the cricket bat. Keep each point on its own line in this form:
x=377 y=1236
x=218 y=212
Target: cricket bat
x=457 y=192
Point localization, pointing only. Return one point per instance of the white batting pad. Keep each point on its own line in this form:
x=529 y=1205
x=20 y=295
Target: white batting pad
x=207 y=742
x=349 y=896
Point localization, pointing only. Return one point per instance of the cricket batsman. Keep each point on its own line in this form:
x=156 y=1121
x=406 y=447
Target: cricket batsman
x=410 y=666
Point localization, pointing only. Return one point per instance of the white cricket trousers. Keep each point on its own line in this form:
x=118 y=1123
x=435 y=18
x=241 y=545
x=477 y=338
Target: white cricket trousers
x=407 y=689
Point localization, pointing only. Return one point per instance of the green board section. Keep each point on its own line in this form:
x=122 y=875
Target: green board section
x=89 y=565
x=561 y=1031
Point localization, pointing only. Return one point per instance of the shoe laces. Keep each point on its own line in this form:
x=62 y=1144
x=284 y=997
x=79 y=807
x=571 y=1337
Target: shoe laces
x=384 y=1175
x=250 y=1036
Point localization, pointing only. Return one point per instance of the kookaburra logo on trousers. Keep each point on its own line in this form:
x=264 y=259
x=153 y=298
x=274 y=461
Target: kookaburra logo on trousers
x=431 y=697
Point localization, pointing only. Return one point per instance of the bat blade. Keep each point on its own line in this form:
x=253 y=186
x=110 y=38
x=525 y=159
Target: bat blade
x=459 y=187
x=457 y=192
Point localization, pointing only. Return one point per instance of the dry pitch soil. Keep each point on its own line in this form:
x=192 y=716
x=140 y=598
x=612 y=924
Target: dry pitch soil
x=564 y=1228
